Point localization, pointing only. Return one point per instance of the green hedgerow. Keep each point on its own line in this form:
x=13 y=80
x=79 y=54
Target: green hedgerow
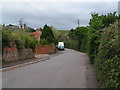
x=107 y=62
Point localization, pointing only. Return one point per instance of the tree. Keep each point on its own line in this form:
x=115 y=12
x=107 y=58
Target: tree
x=110 y=18
x=48 y=35
x=99 y=22
x=55 y=32
x=10 y=25
x=96 y=21
x=71 y=34
x=72 y=29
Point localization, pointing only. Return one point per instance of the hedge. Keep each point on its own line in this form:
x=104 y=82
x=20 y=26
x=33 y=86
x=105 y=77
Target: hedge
x=21 y=38
x=107 y=61
x=103 y=47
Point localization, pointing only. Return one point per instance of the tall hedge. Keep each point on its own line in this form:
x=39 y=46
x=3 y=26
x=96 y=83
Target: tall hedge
x=81 y=36
x=78 y=39
x=72 y=44
x=107 y=61
x=93 y=41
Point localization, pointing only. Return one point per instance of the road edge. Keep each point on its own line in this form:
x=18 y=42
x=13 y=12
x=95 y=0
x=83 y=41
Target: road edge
x=20 y=65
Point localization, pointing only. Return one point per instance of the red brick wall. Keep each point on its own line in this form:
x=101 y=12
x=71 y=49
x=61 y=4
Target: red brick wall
x=45 y=49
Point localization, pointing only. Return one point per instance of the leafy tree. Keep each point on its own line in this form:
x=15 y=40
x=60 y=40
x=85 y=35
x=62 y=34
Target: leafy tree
x=55 y=32
x=10 y=25
x=81 y=36
x=101 y=21
x=110 y=18
x=96 y=21
x=72 y=29
x=71 y=34
x=48 y=35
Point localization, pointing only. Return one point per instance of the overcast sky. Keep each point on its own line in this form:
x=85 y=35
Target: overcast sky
x=61 y=15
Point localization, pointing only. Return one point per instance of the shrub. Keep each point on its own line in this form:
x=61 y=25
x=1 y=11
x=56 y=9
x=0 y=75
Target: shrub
x=21 y=38
x=20 y=43
x=107 y=62
x=43 y=42
x=29 y=42
x=93 y=40
x=6 y=37
x=72 y=44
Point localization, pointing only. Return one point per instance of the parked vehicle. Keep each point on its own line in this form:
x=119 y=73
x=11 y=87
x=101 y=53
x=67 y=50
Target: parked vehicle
x=60 y=46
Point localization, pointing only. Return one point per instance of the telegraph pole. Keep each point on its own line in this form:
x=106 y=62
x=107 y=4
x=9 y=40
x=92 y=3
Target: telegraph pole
x=21 y=23
x=78 y=23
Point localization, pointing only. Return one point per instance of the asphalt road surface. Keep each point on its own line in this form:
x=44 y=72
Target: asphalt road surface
x=70 y=69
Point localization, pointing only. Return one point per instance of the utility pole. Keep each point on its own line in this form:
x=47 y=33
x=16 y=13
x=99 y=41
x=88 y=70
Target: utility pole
x=21 y=23
x=78 y=23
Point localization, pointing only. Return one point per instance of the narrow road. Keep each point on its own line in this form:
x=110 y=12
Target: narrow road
x=70 y=69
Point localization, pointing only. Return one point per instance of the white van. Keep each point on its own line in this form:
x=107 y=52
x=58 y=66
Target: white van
x=60 y=46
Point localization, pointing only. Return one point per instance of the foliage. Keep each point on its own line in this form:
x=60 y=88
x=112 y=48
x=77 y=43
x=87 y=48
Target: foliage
x=18 y=40
x=81 y=37
x=43 y=42
x=96 y=21
x=101 y=21
x=29 y=42
x=63 y=35
x=107 y=61
x=10 y=25
x=110 y=18
x=48 y=35
x=6 y=37
x=63 y=32
x=72 y=44
x=21 y=38
x=71 y=34
x=56 y=33
x=29 y=29
x=93 y=40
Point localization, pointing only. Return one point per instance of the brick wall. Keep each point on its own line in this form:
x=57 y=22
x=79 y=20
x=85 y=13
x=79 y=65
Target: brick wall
x=13 y=54
x=45 y=49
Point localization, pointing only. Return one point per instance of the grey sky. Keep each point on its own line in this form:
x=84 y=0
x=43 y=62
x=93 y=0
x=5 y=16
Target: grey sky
x=61 y=15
